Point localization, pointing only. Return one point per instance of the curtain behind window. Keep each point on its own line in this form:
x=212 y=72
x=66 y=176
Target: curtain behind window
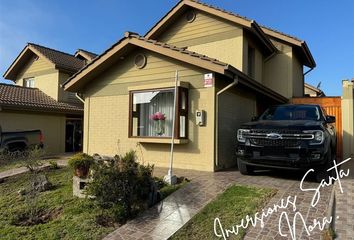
x=160 y=102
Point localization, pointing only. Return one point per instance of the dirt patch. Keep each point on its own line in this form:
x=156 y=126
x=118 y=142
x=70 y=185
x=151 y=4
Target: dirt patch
x=36 y=216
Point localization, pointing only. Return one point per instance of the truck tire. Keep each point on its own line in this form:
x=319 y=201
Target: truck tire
x=322 y=173
x=17 y=147
x=243 y=168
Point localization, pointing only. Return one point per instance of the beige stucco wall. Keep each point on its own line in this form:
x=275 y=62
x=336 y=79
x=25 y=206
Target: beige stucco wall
x=277 y=73
x=45 y=75
x=52 y=127
x=236 y=106
x=107 y=109
x=208 y=35
x=228 y=42
x=348 y=119
x=297 y=78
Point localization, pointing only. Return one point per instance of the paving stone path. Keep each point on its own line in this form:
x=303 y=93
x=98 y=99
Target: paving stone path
x=61 y=160
x=163 y=220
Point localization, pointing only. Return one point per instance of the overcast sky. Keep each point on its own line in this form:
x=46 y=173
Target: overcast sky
x=326 y=25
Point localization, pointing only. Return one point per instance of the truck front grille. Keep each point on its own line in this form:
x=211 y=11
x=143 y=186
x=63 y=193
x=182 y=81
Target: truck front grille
x=277 y=137
x=278 y=142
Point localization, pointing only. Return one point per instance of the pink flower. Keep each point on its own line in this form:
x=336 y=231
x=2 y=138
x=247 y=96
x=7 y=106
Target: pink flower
x=157 y=116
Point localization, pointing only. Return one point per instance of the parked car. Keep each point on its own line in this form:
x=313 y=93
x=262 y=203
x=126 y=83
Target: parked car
x=20 y=140
x=294 y=136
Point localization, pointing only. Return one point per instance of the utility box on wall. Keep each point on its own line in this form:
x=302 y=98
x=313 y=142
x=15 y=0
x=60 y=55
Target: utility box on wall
x=200 y=117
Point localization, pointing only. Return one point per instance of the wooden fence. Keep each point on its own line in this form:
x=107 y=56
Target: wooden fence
x=332 y=106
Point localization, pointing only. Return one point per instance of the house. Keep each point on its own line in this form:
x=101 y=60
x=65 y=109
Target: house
x=37 y=101
x=311 y=91
x=348 y=119
x=229 y=69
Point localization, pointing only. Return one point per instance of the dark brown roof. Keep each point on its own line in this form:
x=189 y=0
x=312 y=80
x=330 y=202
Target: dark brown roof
x=90 y=54
x=60 y=59
x=16 y=97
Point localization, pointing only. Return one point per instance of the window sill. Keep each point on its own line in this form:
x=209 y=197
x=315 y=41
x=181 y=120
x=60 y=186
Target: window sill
x=161 y=140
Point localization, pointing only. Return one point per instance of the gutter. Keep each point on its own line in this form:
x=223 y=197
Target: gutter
x=234 y=83
x=80 y=98
x=307 y=72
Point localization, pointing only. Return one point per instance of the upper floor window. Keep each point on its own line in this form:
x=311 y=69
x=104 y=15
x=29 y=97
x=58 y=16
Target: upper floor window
x=251 y=62
x=28 y=82
x=151 y=113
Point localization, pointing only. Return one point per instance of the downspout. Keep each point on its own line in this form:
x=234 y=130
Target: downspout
x=307 y=72
x=235 y=82
x=303 y=78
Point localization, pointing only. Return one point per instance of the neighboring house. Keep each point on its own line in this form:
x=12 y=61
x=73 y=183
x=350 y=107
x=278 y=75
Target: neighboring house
x=37 y=101
x=348 y=118
x=229 y=69
x=311 y=91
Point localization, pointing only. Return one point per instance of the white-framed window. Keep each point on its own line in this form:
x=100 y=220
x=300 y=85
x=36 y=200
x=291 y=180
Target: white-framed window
x=151 y=113
x=28 y=82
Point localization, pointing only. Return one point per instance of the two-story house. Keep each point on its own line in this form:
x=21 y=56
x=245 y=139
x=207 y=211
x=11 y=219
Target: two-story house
x=229 y=69
x=37 y=100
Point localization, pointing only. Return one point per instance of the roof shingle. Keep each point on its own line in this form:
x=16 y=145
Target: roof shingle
x=33 y=99
x=90 y=54
x=60 y=59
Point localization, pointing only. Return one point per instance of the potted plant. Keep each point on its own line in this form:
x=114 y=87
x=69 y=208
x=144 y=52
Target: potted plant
x=81 y=163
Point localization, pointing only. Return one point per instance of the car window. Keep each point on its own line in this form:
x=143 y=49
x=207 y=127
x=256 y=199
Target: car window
x=292 y=112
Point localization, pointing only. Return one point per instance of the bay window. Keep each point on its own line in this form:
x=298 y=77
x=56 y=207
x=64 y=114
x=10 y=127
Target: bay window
x=151 y=113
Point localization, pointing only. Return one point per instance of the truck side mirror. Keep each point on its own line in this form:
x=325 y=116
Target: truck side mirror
x=255 y=118
x=330 y=119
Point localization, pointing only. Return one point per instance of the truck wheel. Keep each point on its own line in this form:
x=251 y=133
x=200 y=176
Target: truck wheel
x=243 y=168
x=322 y=173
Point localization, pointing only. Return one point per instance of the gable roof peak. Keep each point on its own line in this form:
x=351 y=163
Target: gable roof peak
x=182 y=5
x=51 y=49
x=128 y=34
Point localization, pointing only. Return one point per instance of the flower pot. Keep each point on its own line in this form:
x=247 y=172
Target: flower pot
x=81 y=172
x=159 y=127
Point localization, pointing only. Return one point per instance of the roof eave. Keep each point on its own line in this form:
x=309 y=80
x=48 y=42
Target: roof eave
x=40 y=109
x=10 y=72
x=161 y=22
x=69 y=85
x=263 y=38
x=309 y=57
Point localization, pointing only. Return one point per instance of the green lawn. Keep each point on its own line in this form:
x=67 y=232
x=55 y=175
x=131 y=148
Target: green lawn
x=230 y=207
x=76 y=219
x=4 y=166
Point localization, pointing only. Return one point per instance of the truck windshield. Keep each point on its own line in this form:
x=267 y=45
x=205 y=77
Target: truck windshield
x=300 y=112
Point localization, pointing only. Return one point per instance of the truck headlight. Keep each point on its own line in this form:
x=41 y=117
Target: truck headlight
x=241 y=135
x=318 y=137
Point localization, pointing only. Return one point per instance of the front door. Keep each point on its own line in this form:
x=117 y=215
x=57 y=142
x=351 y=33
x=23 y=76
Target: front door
x=73 y=135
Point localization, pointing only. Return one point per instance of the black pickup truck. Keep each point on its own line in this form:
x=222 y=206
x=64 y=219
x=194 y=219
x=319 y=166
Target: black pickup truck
x=20 y=140
x=293 y=136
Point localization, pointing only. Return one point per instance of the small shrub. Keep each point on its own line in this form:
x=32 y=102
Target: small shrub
x=32 y=159
x=53 y=164
x=122 y=185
